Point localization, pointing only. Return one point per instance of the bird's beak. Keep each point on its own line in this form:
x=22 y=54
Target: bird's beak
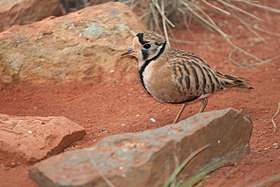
x=129 y=51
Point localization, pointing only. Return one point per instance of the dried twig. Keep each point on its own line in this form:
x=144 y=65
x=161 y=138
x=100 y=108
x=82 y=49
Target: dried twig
x=274 y=10
x=266 y=31
x=208 y=20
x=164 y=24
x=260 y=61
x=244 y=51
x=155 y=3
x=275 y=127
x=232 y=6
x=247 y=24
x=215 y=7
x=267 y=61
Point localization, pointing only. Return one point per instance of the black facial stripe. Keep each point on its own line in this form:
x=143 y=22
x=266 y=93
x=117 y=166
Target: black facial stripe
x=145 y=54
x=146 y=63
x=141 y=38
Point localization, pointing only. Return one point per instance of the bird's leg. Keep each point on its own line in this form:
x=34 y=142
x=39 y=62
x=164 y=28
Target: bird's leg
x=204 y=102
x=180 y=112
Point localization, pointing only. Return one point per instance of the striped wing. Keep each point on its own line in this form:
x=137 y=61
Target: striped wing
x=193 y=76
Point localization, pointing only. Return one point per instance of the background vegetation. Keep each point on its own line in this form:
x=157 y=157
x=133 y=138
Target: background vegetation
x=163 y=15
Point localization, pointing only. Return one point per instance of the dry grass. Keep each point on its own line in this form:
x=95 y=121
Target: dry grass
x=163 y=15
x=275 y=127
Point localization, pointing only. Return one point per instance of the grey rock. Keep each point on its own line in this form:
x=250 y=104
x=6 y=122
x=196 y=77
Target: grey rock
x=148 y=158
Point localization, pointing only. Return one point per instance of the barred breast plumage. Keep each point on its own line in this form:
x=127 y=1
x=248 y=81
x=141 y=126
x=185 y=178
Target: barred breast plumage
x=176 y=76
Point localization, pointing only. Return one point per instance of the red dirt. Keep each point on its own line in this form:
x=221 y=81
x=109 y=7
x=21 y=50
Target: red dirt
x=106 y=109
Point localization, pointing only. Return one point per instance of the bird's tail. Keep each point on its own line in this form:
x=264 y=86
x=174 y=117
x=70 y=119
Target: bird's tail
x=232 y=81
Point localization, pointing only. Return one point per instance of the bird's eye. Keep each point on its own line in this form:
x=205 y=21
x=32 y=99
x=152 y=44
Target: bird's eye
x=147 y=46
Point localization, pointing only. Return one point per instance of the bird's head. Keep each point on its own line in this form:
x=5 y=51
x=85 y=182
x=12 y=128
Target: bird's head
x=146 y=46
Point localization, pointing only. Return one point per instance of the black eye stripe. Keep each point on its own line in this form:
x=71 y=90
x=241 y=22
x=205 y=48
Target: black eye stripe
x=141 y=38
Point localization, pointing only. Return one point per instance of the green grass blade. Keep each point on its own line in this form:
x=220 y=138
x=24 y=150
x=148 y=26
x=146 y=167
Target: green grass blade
x=183 y=164
x=200 y=176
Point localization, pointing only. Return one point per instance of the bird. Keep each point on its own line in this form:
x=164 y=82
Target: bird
x=176 y=76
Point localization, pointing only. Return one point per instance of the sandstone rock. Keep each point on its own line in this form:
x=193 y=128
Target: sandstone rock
x=148 y=158
x=31 y=138
x=85 y=45
x=26 y=11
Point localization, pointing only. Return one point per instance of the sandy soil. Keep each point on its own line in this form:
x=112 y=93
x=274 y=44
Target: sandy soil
x=106 y=109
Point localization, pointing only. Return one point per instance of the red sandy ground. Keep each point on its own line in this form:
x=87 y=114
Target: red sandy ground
x=106 y=109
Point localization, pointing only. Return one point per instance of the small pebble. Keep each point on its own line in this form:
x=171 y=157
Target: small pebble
x=123 y=125
x=276 y=145
x=103 y=130
x=47 y=32
x=29 y=131
x=137 y=115
x=13 y=165
x=152 y=120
